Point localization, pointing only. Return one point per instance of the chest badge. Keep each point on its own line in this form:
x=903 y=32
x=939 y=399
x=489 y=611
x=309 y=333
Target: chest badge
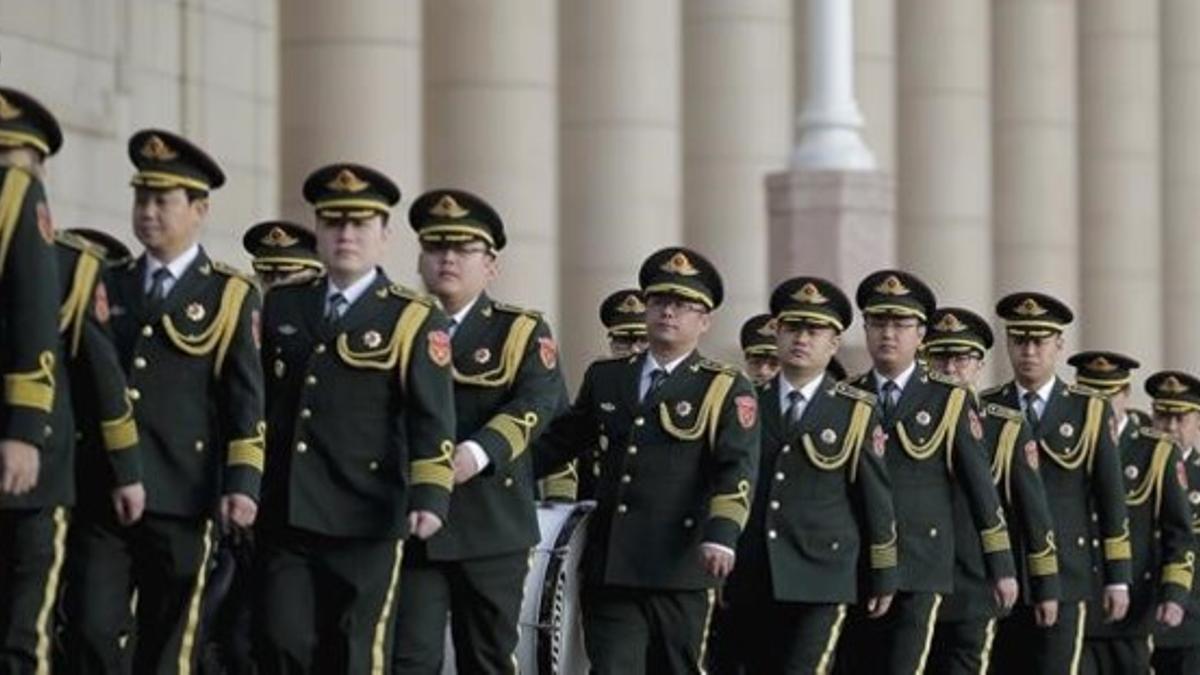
x=828 y=436
x=607 y=407
x=683 y=408
x=1066 y=430
x=372 y=339
x=482 y=355
x=196 y=311
x=923 y=418
x=1131 y=472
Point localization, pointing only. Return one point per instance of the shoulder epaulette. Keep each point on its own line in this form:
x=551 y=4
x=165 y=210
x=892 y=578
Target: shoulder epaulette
x=718 y=366
x=997 y=410
x=78 y=243
x=935 y=376
x=857 y=378
x=992 y=390
x=851 y=391
x=1083 y=390
x=514 y=309
x=1139 y=418
x=410 y=294
x=1151 y=432
x=230 y=271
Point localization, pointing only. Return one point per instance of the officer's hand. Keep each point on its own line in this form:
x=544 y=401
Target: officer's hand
x=465 y=467
x=237 y=512
x=717 y=561
x=1045 y=613
x=1116 y=603
x=129 y=501
x=1005 y=592
x=423 y=524
x=1169 y=614
x=19 y=463
x=878 y=605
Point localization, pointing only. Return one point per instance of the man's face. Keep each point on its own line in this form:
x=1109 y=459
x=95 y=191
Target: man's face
x=673 y=322
x=626 y=346
x=351 y=247
x=892 y=341
x=457 y=272
x=1033 y=358
x=806 y=347
x=761 y=367
x=1184 y=427
x=962 y=368
x=166 y=222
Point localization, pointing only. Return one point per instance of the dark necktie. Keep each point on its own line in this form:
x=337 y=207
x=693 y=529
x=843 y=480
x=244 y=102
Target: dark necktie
x=158 y=284
x=335 y=308
x=795 y=409
x=890 y=396
x=1031 y=414
x=656 y=379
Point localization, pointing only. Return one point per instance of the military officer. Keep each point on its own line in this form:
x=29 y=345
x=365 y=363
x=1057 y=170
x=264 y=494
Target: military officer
x=507 y=386
x=1177 y=412
x=282 y=252
x=623 y=314
x=1081 y=471
x=934 y=442
x=758 y=348
x=186 y=329
x=34 y=467
x=957 y=345
x=360 y=432
x=679 y=440
x=1160 y=528
x=822 y=501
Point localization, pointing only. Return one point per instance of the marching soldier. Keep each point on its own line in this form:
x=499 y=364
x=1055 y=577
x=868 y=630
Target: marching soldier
x=282 y=252
x=360 y=434
x=1081 y=471
x=935 y=441
x=186 y=328
x=956 y=346
x=507 y=386
x=1177 y=412
x=679 y=444
x=758 y=348
x=1160 y=527
x=35 y=469
x=823 y=499
x=623 y=314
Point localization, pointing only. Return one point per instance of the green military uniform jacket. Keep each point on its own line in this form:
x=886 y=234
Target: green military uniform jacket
x=28 y=316
x=96 y=401
x=935 y=440
x=360 y=411
x=1187 y=634
x=507 y=388
x=1014 y=460
x=678 y=468
x=196 y=382
x=1160 y=528
x=1081 y=472
x=822 y=503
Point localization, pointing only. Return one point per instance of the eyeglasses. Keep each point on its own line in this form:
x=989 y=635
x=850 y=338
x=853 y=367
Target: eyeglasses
x=674 y=303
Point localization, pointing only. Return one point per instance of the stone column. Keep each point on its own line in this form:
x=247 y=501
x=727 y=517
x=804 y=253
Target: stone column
x=621 y=168
x=1119 y=158
x=491 y=127
x=351 y=90
x=734 y=54
x=1181 y=176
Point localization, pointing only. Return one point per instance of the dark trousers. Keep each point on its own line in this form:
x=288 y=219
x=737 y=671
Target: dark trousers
x=962 y=647
x=630 y=631
x=483 y=599
x=1176 y=660
x=32 y=549
x=165 y=560
x=1022 y=647
x=897 y=643
x=774 y=638
x=326 y=604
x=1116 y=656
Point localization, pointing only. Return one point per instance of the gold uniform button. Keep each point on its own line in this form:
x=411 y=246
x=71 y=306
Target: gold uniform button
x=374 y=466
x=135 y=395
x=688 y=522
x=302 y=447
x=779 y=476
x=621 y=508
x=147 y=331
x=199 y=446
x=633 y=449
x=311 y=380
x=305 y=413
x=786 y=449
x=1095 y=543
x=1081 y=542
x=1095 y=518
x=835 y=546
x=774 y=504
x=320 y=349
x=627 y=479
x=1147 y=576
x=933 y=533
x=639 y=421
x=139 y=362
x=48 y=431
x=508 y=482
x=772 y=534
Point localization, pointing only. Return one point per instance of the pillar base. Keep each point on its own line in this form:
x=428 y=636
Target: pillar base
x=840 y=225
